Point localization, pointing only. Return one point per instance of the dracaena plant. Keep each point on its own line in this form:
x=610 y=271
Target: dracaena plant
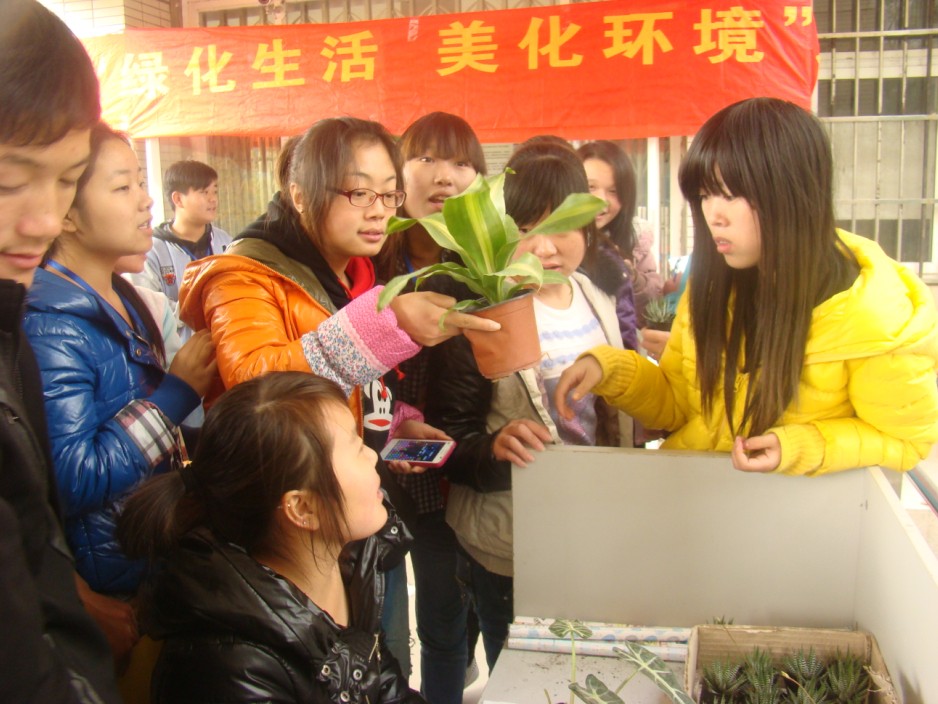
x=475 y=226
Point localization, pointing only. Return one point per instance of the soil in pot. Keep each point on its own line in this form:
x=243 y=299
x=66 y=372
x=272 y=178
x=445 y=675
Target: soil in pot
x=663 y=326
x=514 y=347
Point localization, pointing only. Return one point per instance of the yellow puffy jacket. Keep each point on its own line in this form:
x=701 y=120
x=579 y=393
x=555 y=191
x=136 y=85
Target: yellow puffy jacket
x=868 y=392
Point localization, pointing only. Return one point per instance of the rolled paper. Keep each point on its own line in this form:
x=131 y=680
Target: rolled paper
x=539 y=628
x=671 y=652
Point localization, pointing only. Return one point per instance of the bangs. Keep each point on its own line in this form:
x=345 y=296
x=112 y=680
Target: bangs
x=444 y=136
x=710 y=166
x=47 y=125
x=540 y=185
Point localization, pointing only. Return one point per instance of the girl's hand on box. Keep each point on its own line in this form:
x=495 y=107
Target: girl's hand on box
x=762 y=453
x=514 y=439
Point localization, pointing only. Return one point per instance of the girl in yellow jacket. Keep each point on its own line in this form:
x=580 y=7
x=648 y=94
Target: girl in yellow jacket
x=798 y=348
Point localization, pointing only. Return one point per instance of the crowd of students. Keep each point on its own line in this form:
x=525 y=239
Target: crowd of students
x=263 y=552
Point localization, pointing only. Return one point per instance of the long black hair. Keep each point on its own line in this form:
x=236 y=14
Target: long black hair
x=621 y=229
x=777 y=157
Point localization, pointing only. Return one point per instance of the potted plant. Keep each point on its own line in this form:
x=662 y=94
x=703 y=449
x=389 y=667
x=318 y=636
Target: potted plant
x=802 y=678
x=475 y=226
x=728 y=664
x=659 y=314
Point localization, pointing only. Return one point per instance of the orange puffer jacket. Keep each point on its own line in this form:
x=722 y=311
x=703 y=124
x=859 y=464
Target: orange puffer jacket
x=267 y=312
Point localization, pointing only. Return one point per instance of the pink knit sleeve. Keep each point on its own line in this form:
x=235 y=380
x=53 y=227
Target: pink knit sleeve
x=358 y=344
x=403 y=411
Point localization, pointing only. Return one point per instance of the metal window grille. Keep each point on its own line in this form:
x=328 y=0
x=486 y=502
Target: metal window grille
x=877 y=96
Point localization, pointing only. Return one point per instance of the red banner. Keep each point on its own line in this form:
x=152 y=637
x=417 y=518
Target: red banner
x=616 y=69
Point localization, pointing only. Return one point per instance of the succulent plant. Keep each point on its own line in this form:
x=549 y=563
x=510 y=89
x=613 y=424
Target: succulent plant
x=762 y=678
x=815 y=693
x=659 y=313
x=847 y=680
x=803 y=667
x=723 y=679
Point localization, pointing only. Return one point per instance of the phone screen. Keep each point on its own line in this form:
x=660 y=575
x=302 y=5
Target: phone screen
x=415 y=450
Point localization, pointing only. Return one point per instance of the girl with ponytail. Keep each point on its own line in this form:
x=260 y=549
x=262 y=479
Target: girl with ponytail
x=269 y=587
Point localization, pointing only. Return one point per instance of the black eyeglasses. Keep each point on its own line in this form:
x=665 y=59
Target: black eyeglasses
x=364 y=197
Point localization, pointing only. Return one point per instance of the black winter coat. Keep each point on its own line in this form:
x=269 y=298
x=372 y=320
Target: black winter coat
x=237 y=632
x=459 y=405
x=50 y=649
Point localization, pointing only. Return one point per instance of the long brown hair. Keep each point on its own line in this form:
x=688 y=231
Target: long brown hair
x=261 y=439
x=48 y=86
x=620 y=229
x=776 y=156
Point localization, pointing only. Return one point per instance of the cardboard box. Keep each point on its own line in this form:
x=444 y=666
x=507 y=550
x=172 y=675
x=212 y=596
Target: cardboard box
x=716 y=642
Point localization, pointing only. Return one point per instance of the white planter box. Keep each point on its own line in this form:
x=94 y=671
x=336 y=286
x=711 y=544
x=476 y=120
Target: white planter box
x=677 y=539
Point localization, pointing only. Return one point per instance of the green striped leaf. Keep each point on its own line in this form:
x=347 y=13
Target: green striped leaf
x=476 y=225
x=396 y=224
x=576 y=211
x=654 y=668
x=439 y=230
x=595 y=692
x=570 y=628
x=394 y=287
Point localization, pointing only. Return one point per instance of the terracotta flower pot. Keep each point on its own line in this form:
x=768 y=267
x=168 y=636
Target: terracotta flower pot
x=515 y=346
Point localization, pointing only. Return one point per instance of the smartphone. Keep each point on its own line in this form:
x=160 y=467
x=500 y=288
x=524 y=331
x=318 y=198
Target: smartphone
x=426 y=453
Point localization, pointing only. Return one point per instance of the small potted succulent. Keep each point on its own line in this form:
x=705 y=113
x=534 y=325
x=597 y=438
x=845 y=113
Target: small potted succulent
x=475 y=226
x=784 y=665
x=659 y=314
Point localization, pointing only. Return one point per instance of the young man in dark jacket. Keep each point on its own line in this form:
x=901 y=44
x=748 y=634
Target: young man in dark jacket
x=50 y=649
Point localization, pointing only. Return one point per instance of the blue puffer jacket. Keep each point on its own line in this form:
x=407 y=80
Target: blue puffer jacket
x=112 y=413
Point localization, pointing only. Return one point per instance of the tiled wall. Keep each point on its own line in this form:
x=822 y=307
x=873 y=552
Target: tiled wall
x=145 y=13
x=93 y=17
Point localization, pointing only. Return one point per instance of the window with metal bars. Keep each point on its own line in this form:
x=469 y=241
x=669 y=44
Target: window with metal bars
x=878 y=95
